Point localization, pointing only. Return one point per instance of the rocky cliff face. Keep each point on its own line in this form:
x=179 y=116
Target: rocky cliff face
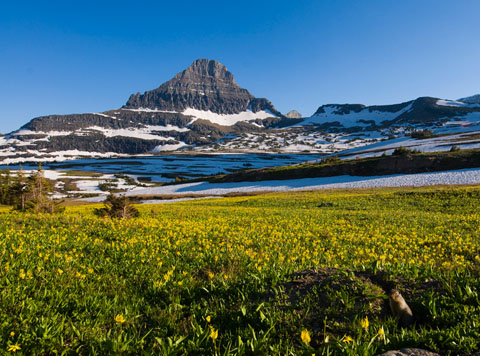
x=206 y=85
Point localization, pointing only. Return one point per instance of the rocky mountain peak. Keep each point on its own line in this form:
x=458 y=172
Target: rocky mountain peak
x=206 y=85
x=293 y=114
x=205 y=69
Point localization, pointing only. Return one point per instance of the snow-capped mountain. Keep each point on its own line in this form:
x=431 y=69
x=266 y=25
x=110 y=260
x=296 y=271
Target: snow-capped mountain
x=203 y=109
x=424 y=112
x=198 y=106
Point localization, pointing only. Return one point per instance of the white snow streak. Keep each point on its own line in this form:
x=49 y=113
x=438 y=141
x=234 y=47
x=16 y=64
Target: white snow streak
x=464 y=176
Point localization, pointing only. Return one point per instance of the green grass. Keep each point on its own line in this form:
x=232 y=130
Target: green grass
x=246 y=275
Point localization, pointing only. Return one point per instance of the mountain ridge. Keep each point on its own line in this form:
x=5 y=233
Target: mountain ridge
x=203 y=109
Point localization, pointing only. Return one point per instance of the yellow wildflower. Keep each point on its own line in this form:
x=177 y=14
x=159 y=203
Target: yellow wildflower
x=305 y=335
x=13 y=348
x=364 y=323
x=347 y=339
x=213 y=334
x=208 y=318
x=59 y=271
x=119 y=318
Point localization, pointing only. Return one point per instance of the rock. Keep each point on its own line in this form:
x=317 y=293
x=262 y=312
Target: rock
x=294 y=114
x=409 y=352
x=206 y=85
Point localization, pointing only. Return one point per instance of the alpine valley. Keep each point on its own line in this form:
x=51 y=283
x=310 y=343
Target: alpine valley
x=202 y=109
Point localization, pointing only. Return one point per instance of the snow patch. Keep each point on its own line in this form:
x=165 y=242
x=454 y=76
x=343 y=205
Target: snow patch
x=463 y=176
x=150 y=110
x=457 y=104
x=144 y=133
x=169 y=147
x=104 y=115
x=227 y=119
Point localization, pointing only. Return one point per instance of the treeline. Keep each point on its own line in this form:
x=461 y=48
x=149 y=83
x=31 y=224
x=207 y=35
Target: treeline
x=27 y=192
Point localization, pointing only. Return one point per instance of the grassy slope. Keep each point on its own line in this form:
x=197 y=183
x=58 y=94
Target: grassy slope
x=165 y=283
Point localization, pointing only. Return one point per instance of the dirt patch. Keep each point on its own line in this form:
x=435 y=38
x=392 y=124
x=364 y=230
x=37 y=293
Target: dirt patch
x=329 y=300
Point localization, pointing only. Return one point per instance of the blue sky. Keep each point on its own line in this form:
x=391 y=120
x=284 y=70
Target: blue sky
x=59 y=57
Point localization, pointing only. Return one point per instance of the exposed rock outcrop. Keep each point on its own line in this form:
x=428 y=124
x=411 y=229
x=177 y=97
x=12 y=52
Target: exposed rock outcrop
x=206 y=85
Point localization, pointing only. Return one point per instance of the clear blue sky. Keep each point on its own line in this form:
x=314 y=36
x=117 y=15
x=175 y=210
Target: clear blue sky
x=59 y=57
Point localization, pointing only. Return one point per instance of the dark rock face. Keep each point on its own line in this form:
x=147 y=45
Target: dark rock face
x=205 y=85
x=115 y=119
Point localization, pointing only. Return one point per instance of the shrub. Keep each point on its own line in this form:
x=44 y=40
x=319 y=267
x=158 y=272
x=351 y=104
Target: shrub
x=117 y=207
x=401 y=151
x=421 y=134
x=330 y=160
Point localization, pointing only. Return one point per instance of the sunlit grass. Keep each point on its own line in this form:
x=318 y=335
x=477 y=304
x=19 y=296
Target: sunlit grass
x=206 y=277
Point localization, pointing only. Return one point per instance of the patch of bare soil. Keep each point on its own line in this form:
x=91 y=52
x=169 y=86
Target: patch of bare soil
x=329 y=300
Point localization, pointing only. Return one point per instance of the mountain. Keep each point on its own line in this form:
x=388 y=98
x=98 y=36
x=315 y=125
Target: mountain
x=474 y=99
x=424 y=112
x=207 y=86
x=293 y=114
x=198 y=106
x=203 y=109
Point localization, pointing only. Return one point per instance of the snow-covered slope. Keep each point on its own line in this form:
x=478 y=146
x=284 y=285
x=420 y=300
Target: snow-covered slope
x=228 y=119
x=350 y=118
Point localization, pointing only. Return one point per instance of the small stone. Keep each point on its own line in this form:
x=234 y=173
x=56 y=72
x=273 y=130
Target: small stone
x=409 y=352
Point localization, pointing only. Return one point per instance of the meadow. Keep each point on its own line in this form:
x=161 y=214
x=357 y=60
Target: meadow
x=290 y=274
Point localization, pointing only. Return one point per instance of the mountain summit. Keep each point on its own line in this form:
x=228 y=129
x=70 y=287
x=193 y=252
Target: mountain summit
x=206 y=85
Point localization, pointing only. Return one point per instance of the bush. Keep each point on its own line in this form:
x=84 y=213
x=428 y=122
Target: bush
x=401 y=151
x=421 y=134
x=455 y=148
x=330 y=160
x=107 y=186
x=117 y=207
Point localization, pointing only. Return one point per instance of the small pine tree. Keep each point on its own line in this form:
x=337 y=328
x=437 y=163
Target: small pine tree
x=117 y=207
x=32 y=194
x=19 y=191
x=5 y=187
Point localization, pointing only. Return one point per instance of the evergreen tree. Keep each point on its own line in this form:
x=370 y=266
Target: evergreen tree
x=5 y=187
x=32 y=193
x=117 y=207
x=19 y=191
